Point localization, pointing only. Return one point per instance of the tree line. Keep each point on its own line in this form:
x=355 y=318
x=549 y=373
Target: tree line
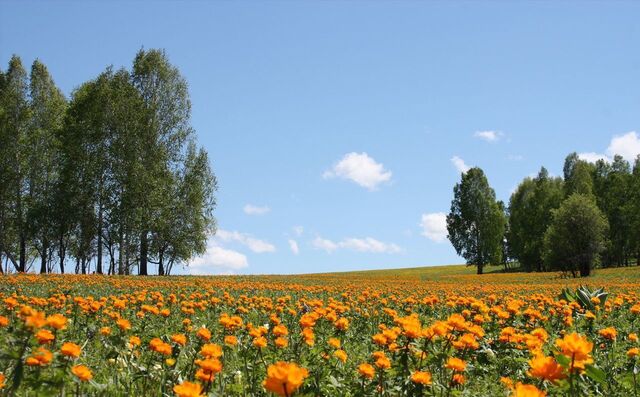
x=588 y=218
x=110 y=181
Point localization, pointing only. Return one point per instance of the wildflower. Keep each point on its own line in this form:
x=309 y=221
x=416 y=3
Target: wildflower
x=281 y=342
x=82 y=372
x=284 y=378
x=608 y=333
x=211 y=350
x=458 y=379
x=158 y=346
x=633 y=352
x=44 y=336
x=4 y=321
x=105 y=331
x=260 y=342
x=522 y=390
x=70 y=350
x=134 y=341
x=230 y=340
x=577 y=348
x=334 y=342
x=280 y=330
x=188 y=389
x=366 y=370
x=35 y=320
x=340 y=355
x=383 y=363
x=633 y=337
x=455 y=364
x=421 y=378
x=180 y=339
x=2 y=379
x=57 y=321
x=546 y=368
x=123 y=324
x=41 y=357
x=204 y=334
x=342 y=324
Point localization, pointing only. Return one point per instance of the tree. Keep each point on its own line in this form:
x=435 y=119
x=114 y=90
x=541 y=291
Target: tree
x=14 y=102
x=476 y=223
x=576 y=236
x=530 y=209
x=580 y=179
x=42 y=147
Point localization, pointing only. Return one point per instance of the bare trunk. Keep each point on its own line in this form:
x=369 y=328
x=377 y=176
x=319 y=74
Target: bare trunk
x=144 y=251
x=99 y=262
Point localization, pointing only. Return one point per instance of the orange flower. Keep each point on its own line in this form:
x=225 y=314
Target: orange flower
x=57 y=321
x=260 y=342
x=522 y=390
x=284 y=378
x=158 y=346
x=342 y=324
x=188 y=389
x=608 y=333
x=105 y=331
x=366 y=370
x=82 y=372
x=35 y=320
x=70 y=350
x=383 y=363
x=204 y=334
x=421 y=378
x=1 y=381
x=210 y=365
x=577 y=348
x=230 y=340
x=633 y=352
x=458 y=379
x=281 y=342
x=280 y=330
x=4 y=321
x=211 y=350
x=546 y=368
x=41 y=357
x=44 y=336
x=134 y=341
x=180 y=339
x=340 y=355
x=455 y=364
x=123 y=324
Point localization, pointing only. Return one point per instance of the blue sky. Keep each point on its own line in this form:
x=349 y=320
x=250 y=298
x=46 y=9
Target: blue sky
x=338 y=129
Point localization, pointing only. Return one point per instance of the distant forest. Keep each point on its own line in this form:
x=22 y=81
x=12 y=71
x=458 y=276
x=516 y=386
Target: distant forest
x=110 y=181
x=588 y=218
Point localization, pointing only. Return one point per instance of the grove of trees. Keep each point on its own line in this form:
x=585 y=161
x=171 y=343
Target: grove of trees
x=110 y=181
x=589 y=217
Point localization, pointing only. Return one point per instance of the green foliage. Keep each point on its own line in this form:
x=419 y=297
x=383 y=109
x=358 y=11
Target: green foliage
x=530 y=213
x=476 y=222
x=576 y=236
x=584 y=296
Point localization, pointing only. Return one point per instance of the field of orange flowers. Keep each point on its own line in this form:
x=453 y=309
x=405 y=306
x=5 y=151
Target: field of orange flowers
x=359 y=334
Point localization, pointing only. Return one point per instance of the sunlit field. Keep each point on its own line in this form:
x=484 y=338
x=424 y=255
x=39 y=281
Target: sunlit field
x=439 y=331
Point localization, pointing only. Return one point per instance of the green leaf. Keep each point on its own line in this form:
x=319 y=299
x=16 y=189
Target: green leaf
x=563 y=360
x=596 y=374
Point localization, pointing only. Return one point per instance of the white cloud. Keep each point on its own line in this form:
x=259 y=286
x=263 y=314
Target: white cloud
x=217 y=260
x=324 y=244
x=627 y=146
x=293 y=245
x=254 y=244
x=251 y=209
x=361 y=169
x=592 y=157
x=367 y=244
x=489 y=136
x=434 y=226
x=298 y=230
x=459 y=163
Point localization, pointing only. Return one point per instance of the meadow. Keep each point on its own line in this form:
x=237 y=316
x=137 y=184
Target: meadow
x=439 y=331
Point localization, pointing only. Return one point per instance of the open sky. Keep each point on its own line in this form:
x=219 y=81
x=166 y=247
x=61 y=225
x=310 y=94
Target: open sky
x=337 y=130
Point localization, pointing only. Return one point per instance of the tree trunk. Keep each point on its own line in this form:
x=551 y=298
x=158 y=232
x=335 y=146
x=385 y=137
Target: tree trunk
x=120 y=252
x=99 y=262
x=480 y=267
x=23 y=254
x=144 y=250
x=44 y=257
x=61 y=254
x=585 y=269
x=160 y=264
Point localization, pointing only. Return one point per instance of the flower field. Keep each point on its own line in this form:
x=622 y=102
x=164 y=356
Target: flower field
x=388 y=333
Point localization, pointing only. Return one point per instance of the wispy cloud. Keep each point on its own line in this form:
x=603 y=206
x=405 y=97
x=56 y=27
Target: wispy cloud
x=489 y=136
x=251 y=209
x=367 y=244
x=459 y=163
x=254 y=244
